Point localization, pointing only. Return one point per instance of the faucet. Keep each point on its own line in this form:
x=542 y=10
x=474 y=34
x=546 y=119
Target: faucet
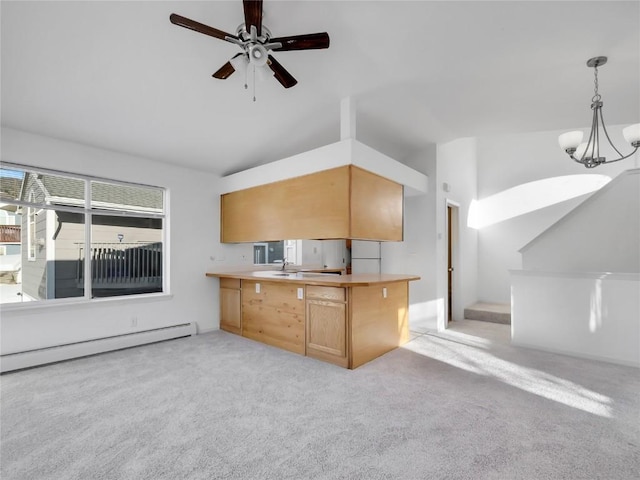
x=284 y=264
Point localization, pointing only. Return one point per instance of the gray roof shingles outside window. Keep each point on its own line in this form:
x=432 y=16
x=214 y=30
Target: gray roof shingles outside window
x=69 y=188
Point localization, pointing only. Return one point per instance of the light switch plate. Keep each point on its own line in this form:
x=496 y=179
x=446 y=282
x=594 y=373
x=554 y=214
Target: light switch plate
x=300 y=293
x=257 y=288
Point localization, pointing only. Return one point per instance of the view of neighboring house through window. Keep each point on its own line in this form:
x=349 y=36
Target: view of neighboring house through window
x=80 y=236
x=10 y=246
x=31 y=229
x=126 y=239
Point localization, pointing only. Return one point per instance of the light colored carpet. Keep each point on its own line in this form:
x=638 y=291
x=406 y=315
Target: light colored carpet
x=459 y=405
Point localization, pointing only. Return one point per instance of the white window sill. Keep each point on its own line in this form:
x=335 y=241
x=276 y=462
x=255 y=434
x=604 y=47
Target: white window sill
x=69 y=303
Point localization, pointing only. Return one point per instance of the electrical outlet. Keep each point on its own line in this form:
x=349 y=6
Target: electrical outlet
x=257 y=288
x=384 y=292
x=300 y=293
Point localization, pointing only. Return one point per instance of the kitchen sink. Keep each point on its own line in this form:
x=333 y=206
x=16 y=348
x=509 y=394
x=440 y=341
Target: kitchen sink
x=270 y=273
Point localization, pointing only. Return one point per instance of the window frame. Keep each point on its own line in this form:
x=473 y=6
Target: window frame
x=88 y=210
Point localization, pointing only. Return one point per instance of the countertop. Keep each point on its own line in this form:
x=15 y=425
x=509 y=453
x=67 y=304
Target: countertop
x=311 y=278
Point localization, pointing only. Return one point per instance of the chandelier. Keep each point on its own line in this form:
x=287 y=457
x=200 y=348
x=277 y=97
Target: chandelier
x=588 y=153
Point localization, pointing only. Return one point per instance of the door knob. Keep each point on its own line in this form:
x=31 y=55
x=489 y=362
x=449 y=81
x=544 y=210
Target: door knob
x=451 y=269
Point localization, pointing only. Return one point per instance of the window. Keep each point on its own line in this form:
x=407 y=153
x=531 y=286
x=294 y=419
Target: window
x=274 y=252
x=31 y=229
x=82 y=237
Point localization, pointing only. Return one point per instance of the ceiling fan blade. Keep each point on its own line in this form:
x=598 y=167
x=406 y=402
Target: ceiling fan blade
x=310 y=41
x=200 y=27
x=281 y=74
x=226 y=70
x=253 y=15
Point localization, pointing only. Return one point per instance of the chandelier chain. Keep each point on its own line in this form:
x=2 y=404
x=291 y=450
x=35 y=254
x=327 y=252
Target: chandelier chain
x=596 y=96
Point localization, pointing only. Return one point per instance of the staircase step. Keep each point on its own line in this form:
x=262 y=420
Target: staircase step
x=489 y=312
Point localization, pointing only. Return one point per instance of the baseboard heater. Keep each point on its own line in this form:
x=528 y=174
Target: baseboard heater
x=31 y=358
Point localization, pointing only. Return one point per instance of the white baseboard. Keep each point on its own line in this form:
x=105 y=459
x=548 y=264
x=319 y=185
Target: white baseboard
x=568 y=353
x=16 y=361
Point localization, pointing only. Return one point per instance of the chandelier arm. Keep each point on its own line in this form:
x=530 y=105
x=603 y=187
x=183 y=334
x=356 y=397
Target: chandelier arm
x=607 y=135
x=622 y=158
x=594 y=124
x=597 y=142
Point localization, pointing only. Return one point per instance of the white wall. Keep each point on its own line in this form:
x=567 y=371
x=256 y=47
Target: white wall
x=424 y=249
x=416 y=254
x=457 y=166
x=584 y=314
x=310 y=252
x=602 y=234
x=506 y=161
x=193 y=243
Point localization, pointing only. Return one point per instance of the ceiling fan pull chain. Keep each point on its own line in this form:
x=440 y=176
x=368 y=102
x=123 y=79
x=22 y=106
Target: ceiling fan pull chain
x=254 y=83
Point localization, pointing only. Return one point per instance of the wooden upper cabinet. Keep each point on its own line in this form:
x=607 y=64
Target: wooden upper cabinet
x=376 y=207
x=343 y=202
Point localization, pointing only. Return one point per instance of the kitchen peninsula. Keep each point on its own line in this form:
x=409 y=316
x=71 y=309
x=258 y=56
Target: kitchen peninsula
x=347 y=320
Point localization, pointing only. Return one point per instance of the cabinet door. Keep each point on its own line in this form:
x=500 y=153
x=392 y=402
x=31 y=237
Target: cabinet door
x=379 y=320
x=376 y=207
x=273 y=314
x=230 y=316
x=327 y=331
x=310 y=206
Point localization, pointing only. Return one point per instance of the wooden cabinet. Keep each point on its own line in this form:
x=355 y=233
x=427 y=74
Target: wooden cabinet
x=379 y=320
x=376 y=208
x=273 y=314
x=343 y=202
x=230 y=305
x=345 y=323
x=326 y=334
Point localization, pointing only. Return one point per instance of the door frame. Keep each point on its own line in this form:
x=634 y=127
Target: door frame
x=452 y=239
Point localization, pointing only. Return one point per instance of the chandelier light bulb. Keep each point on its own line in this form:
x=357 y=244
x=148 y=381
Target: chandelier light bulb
x=632 y=134
x=581 y=150
x=570 y=140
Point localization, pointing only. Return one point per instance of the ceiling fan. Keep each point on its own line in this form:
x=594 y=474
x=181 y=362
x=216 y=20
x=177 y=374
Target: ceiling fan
x=256 y=43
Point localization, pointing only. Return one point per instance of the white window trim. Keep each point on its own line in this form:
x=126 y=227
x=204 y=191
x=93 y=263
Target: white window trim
x=88 y=211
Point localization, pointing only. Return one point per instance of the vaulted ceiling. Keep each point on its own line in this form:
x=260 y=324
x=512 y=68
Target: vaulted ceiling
x=119 y=75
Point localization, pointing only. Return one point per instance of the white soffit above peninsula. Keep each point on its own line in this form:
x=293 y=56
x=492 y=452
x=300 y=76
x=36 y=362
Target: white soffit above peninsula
x=348 y=151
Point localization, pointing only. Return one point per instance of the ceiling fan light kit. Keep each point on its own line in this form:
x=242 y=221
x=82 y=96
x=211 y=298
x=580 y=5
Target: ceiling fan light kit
x=256 y=43
x=588 y=153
